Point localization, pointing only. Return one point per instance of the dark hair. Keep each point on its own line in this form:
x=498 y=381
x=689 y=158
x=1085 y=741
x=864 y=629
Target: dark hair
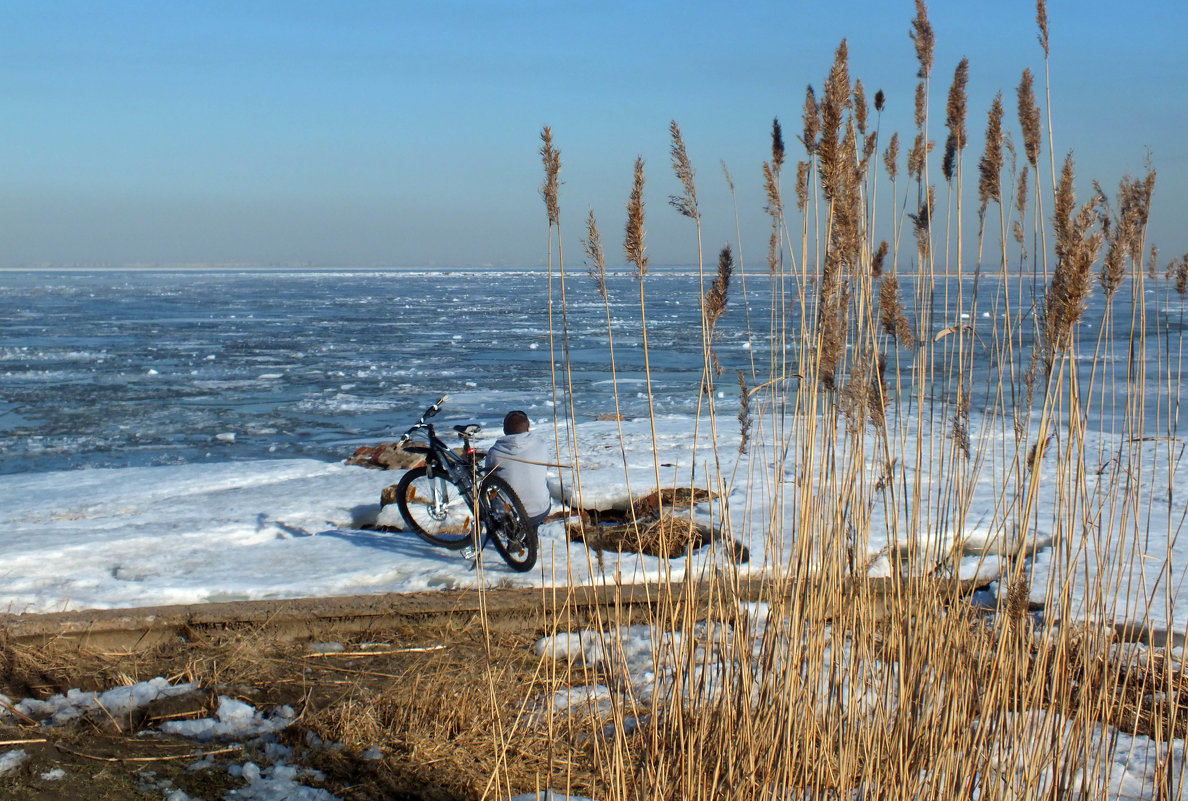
x=515 y=422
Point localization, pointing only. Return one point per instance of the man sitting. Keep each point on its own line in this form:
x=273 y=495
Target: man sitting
x=520 y=458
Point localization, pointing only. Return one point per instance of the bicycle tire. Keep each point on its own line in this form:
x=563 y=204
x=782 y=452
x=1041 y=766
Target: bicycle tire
x=446 y=523
x=507 y=524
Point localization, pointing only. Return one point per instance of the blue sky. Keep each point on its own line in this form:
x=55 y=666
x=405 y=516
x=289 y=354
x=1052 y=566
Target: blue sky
x=395 y=133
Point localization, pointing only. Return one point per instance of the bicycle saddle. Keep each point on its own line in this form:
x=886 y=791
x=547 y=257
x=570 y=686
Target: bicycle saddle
x=468 y=430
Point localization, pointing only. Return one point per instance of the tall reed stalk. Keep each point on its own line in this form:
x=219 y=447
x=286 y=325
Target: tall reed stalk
x=636 y=252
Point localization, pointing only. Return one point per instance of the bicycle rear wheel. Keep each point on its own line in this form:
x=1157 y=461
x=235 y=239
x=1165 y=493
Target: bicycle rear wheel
x=507 y=524
x=435 y=509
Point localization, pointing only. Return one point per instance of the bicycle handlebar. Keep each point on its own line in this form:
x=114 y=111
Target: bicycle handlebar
x=435 y=408
x=430 y=412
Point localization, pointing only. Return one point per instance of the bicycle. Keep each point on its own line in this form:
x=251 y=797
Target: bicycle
x=439 y=502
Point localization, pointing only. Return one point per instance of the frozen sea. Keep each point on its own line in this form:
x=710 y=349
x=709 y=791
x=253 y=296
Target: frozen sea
x=129 y=369
x=179 y=437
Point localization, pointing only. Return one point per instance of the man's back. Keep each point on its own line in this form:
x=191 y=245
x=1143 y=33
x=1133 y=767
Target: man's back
x=521 y=461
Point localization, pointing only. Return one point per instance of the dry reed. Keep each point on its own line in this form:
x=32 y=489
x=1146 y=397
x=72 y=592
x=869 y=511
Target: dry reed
x=876 y=261
x=891 y=157
x=633 y=242
x=1077 y=245
x=744 y=413
x=1029 y=118
x=686 y=202
x=955 y=119
x=850 y=688
x=551 y=158
x=1041 y=19
x=990 y=165
x=891 y=313
x=924 y=39
x=811 y=117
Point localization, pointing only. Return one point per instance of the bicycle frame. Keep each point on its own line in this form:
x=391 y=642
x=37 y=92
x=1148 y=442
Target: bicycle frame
x=464 y=473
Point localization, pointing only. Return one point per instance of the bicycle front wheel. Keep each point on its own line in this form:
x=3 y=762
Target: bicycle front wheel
x=507 y=524
x=435 y=509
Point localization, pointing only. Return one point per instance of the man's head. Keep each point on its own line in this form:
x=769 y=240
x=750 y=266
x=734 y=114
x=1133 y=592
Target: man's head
x=515 y=422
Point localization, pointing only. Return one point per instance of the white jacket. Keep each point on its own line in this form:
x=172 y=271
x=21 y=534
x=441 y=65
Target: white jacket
x=521 y=461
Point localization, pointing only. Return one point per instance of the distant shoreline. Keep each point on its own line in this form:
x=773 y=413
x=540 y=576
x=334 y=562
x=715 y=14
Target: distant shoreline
x=577 y=272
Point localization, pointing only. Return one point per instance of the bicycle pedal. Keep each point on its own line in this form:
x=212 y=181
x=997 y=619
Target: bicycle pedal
x=469 y=552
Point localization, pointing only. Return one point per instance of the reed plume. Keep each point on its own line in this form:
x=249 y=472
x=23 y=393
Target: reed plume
x=1065 y=201
x=876 y=261
x=891 y=156
x=686 y=202
x=1021 y=194
x=949 y=163
x=811 y=118
x=1041 y=19
x=922 y=223
x=1017 y=231
x=1125 y=234
x=592 y=245
x=551 y=157
x=1182 y=275
x=920 y=105
x=744 y=413
x=777 y=145
x=955 y=111
x=775 y=210
x=846 y=230
x=861 y=113
x=868 y=150
x=714 y=303
x=843 y=256
x=771 y=187
x=1153 y=262
x=877 y=406
x=802 y=184
x=880 y=100
x=1113 y=266
x=924 y=39
x=917 y=156
x=861 y=109
x=833 y=316
x=862 y=398
x=1077 y=246
x=833 y=107
x=990 y=165
x=1029 y=117
x=633 y=243
x=891 y=313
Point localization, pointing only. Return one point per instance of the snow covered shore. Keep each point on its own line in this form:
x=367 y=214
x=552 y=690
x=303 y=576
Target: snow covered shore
x=246 y=530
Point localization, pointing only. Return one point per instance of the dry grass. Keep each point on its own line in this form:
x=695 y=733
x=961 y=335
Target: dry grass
x=429 y=701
